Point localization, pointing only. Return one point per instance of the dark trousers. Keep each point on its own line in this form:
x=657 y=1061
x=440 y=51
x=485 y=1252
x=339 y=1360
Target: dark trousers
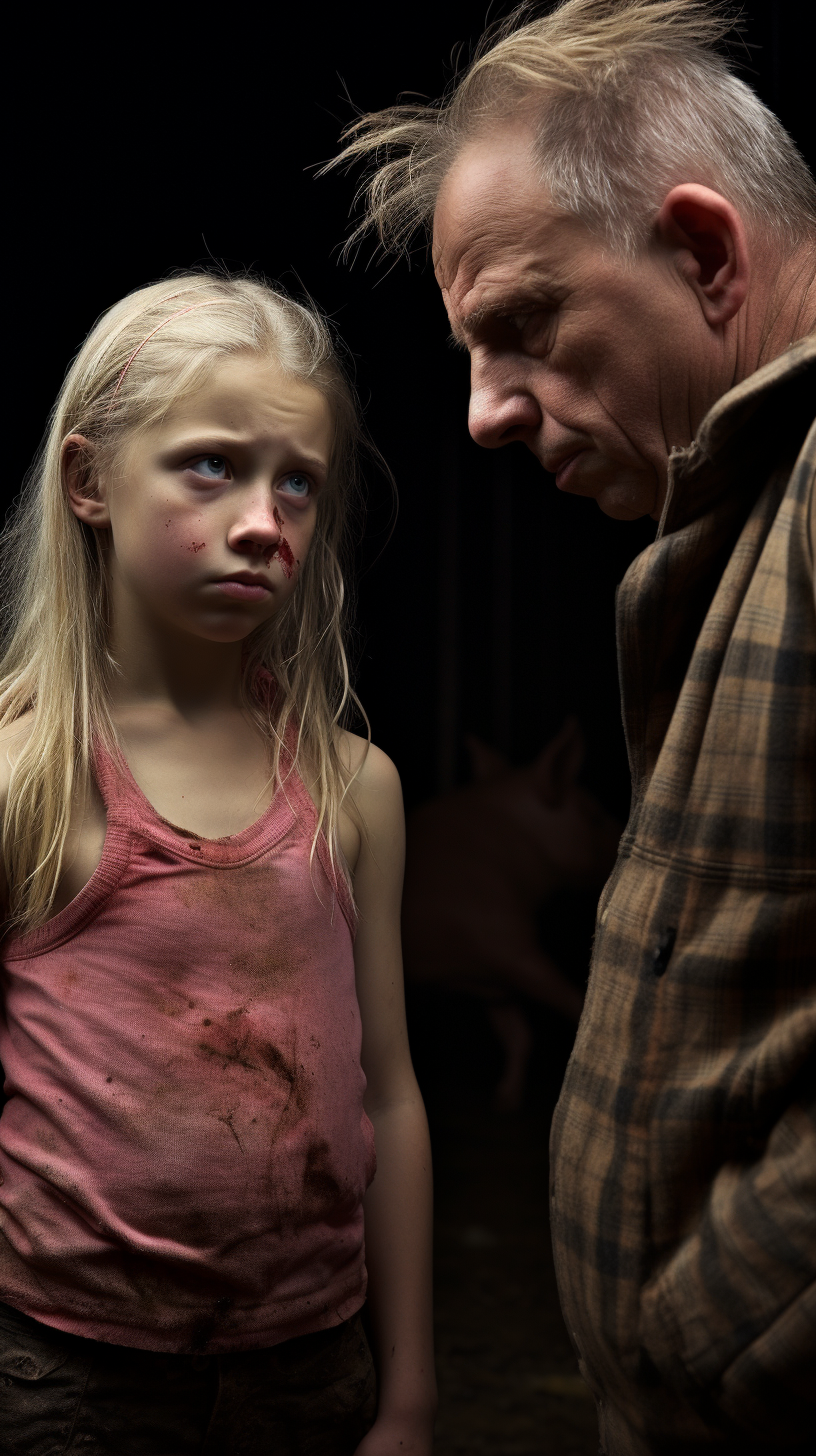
x=60 y=1395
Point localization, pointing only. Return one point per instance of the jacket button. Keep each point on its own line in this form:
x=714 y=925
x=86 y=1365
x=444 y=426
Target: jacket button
x=663 y=950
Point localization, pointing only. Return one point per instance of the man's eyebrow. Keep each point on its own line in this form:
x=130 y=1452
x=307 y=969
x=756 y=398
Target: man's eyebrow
x=458 y=336
x=497 y=310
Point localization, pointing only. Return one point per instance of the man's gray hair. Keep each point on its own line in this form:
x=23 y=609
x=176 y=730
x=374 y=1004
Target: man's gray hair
x=626 y=98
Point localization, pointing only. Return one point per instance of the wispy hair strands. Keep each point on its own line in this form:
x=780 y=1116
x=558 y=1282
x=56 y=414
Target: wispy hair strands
x=625 y=99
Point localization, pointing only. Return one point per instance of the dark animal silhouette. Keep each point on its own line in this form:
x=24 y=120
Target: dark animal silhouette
x=480 y=863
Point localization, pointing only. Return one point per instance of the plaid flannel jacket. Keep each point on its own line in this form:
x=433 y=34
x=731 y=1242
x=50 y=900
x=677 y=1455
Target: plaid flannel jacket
x=683 y=1155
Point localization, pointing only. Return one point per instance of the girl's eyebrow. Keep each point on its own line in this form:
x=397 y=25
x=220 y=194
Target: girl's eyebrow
x=217 y=443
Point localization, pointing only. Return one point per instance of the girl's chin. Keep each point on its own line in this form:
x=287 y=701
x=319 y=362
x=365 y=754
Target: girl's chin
x=227 y=628
x=233 y=633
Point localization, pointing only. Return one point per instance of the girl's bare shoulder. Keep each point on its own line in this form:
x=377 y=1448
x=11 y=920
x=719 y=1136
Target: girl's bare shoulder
x=13 y=738
x=376 y=787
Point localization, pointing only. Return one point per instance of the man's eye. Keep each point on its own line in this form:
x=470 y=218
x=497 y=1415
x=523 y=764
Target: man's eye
x=214 y=467
x=297 y=485
x=532 y=329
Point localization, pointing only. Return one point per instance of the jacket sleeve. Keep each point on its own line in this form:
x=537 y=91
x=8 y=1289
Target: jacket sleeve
x=730 y=1318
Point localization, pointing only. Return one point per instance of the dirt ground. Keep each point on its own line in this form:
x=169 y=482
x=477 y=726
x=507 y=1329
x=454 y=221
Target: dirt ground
x=508 y=1379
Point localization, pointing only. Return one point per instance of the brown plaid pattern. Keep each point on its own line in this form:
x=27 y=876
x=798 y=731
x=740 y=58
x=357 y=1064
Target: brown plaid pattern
x=684 y=1142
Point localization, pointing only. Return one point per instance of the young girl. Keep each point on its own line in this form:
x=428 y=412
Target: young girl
x=200 y=1054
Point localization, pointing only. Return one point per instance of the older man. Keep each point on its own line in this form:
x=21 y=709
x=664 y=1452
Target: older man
x=625 y=239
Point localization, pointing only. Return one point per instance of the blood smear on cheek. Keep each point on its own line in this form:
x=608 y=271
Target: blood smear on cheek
x=283 y=554
x=196 y=546
x=283 y=551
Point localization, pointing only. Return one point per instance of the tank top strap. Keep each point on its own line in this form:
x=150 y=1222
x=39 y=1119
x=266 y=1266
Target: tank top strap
x=293 y=786
x=113 y=779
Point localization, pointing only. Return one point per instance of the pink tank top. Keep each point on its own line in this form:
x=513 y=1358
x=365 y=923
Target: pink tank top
x=184 y=1152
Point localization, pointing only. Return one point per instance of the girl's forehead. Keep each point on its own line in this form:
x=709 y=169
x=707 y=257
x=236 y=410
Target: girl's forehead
x=253 y=396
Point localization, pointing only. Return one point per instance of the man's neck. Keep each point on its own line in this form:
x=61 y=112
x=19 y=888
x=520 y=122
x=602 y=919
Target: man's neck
x=791 y=308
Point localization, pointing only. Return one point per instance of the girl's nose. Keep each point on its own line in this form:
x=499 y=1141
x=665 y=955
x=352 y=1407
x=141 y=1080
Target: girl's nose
x=258 y=528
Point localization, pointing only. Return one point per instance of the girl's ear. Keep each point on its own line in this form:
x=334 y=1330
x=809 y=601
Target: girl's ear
x=85 y=492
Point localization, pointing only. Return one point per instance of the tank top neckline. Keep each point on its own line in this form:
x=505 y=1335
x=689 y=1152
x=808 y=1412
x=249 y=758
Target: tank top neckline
x=129 y=812
x=126 y=803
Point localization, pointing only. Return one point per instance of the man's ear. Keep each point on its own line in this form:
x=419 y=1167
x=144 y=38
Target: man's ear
x=708 y=238
x=86 y=495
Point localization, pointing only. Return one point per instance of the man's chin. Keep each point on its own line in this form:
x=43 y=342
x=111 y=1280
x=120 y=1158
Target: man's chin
x=621 y=510
x=623 y=495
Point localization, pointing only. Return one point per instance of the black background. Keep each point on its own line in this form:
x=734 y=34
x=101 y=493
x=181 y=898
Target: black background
x=155 y=139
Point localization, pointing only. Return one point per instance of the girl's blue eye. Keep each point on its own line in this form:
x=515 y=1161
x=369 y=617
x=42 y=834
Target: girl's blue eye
x=214 y=467
x=297 y=485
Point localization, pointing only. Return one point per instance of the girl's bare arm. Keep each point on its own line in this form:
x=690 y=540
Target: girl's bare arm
x=398 y=1205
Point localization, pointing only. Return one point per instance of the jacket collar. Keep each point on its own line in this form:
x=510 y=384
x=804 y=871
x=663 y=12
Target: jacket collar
x=701 y=474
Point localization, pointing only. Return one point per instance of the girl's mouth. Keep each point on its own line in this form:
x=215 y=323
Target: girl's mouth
x=244 y=587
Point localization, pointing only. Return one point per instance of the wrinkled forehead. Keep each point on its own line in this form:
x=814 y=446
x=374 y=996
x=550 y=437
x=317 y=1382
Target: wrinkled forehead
x=496 y=231
x=246 y=388
x=245 y=399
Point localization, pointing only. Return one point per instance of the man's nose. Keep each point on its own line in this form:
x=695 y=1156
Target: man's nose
x=502 y=408
x=259 y=525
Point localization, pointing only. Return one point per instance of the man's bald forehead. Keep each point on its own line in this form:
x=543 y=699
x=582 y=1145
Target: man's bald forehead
x=479 y=182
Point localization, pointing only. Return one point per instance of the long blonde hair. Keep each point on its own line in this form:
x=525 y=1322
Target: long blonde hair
x=626 y=98
x=57 y=660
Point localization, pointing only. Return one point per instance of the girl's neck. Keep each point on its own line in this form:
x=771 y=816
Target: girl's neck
x=160 y=667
